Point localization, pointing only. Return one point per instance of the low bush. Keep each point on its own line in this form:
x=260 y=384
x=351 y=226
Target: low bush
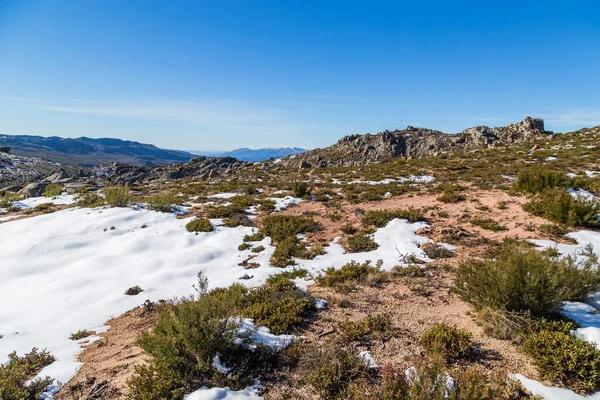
x=452 y=342
x=451 y=194
x=280 y=227
x=488 y=224
x=117 y=196
x=224 y=211
x=522 y=279
x=237 y=220
x=257 y=249
x=199 y=224
x=372 y=326
x=255 y=237
x=279 y=305
x=287 y=275
x=350 y=273
x=300 y=189
x=360 y=243
x=16 y=373
x=331 y=370
x=563 y=358
x=162 y=202
x=53 y=190
x=428 y=379
x=90 y=200
x=189 y=336
x=267 y=205
x=537 y=181
x=134 y=290
x=81 y=334
x=7 y=199
x=288 y=248
x=244 y=246
x=436 y=251
x=559 y=206
x=44 y=208
x=348 y=229
x=380 y=218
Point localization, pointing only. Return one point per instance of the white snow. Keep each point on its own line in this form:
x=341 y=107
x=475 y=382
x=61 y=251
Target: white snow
x=551 y=393
x=219 y=365
x=586 y=316
x=67 y=271
x=583 y=195
x=31 y=202
x=224 y=394
x=552 y=158
x=282 y=203
x=224 y=195
x=260 y=335
x=411 y=179
x=368 y=359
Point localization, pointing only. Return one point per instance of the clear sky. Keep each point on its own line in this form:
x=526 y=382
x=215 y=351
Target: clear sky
x=222 y=74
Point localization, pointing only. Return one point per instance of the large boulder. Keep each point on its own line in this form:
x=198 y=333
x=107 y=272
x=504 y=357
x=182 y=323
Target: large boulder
x=11 y=189
x=34 y=189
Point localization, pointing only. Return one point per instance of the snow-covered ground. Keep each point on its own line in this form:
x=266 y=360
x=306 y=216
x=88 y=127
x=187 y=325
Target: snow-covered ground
x=67 y=271
x=409 y=179
x=31 y=202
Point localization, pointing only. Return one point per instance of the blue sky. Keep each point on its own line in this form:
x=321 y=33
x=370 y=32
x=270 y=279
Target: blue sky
x=222 y=74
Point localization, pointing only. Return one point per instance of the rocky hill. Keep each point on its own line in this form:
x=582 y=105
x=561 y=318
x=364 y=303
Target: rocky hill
x=90 y=152
x=414 y=142
x=16 y=169
x=198 y=168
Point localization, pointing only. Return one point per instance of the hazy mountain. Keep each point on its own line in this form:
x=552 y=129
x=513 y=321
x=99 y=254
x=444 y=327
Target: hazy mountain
x=246 y=154
x=89 y=152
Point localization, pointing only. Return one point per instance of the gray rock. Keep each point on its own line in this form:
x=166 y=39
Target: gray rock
x=33 y=189
x=12 y=189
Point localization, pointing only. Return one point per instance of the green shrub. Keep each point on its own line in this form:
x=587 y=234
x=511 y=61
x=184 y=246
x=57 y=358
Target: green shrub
x=349 y=273
x=224 y=211
x=454 y=343
x=559 y=206
x=255 y=237
x=348 y=229
x=267 y=205
x=451 y=194
x=488 y=224
x=53 y=190
x=359 y=243
x=331 y=370
x=162 y=202
x=44 y=208
x=237 y=220
x=279 y=306
x=15 y=373
x=539 y=180
x=381 y=218
x=280 y=227
x=90 y=200
x=183 y=344
x=287 y=275
x=563 y=358
x=436 y=251
x=81 y=334
x=244 y=246
x=257 y=249
x=300 y=189
x=199 y=224
x=134 y=290
x=288 y=248
x=522 y=279
x=374 y=325
x=117 y=196
x=7 y=199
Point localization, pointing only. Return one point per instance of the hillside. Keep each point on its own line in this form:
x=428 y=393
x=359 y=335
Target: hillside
x=89 y=152
x=354 y=150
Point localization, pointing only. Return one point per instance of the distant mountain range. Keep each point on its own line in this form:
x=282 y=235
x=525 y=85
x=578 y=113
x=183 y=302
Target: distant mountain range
x=246 y=154
x=90 y=152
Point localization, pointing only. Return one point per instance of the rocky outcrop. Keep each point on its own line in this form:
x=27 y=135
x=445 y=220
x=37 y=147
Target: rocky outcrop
x=198 y=168
x=415 y=143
